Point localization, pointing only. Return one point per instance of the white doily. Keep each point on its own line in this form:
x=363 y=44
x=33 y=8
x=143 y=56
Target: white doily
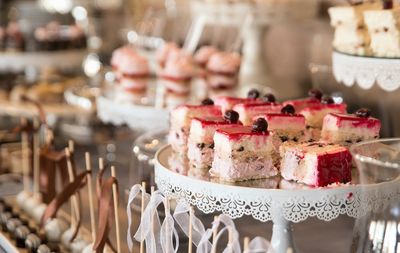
x=366 y=71
x=269 y=204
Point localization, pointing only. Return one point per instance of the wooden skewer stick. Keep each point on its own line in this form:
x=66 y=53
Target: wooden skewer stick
x=25 y=156
x=142 y=211
x=246 y=242
x=191 y=213
x=167 y=210
x=115 y=197
x=90 y=193
x=36 y=159
x=74 y=200
x=71 y=146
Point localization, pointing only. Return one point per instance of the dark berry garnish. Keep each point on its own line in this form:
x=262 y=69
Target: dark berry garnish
x=260 y=125
x=269 y=98
x=284 y=138
x=288 y=109
x=207 y=101
x=231 y=116
x=253 y=94
x=315 y=93
x=327 y=100
x=240 y=149
x=201 y=145
x=363 y=113
x=387 y=4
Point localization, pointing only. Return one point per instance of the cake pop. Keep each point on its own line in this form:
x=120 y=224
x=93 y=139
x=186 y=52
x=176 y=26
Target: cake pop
x=54 y=228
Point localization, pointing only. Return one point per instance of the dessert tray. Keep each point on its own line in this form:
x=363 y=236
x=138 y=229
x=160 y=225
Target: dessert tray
x=275 y=199
x=366 y=71
x=18 y=61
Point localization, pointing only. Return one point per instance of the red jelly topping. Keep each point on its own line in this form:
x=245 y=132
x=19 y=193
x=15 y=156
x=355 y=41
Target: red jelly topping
x=357 y=121
x=213 y=121
x=334 y=168
x=235 y=133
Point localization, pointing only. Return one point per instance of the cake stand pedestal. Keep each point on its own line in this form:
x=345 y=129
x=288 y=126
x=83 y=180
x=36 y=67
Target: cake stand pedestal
x=366 y=71
x=275 y=200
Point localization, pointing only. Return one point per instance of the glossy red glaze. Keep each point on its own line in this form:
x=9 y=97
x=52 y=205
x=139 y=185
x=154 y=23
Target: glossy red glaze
x=334 y=168
x=369 y=122
x=234 y=133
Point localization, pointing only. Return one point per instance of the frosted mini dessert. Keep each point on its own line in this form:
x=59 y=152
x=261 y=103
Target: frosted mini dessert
x=248 y=111
x=165 y=52
x=223 y=70
x=346 y=129
x=316 y=164
x=180 y=120
x=203 y=55
x=243 y=153
x=314 y=97
x=286 y=125
x=384 y=29
x=253 y=97
x=201 y=142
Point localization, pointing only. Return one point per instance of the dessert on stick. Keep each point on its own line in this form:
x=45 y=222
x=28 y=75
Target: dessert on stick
x=244 y=152
x=316 y=164
x=223 y=70
x=164 y=53
x=346 y=129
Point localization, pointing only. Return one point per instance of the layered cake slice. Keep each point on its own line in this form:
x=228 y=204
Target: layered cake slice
x=351 y=34
x=347 y=129
x=315 y=96
x=201 y=142
x=244 y=152
x=253 y=97
x=287 y=125
x=247 y=111
x=315 y=113
x=384 y=29
x=180 y=120
x=316 y=164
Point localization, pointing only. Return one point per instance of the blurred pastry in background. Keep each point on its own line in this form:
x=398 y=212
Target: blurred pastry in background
x=164 y=53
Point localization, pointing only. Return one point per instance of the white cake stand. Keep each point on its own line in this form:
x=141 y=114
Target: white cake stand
x=366 y=71
x=265 y=202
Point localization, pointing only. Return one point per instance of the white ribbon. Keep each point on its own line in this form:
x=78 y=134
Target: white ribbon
x=259 y=244
x=182 y=217
x=232 y=247
x=149 y=228
x=168 y=231
x=135 y=190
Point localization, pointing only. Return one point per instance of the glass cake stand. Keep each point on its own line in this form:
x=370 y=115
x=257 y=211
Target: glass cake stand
x=276 y=200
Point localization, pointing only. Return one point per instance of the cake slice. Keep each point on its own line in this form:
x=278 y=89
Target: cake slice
x=384 y=29
x=201 y=142
x=253 y=97
x=315 y=96
x=314 y=114
x=316 y=164
x=247 y=111
x=180 y=119
x=243 y=153
x=347 y=129
x=287 y=125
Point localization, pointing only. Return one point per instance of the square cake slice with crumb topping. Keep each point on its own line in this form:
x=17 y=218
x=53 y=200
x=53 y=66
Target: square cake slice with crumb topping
x=316 y=164
x=201 y=142
x=248 y=111
x=346 y=129
x=243 y=153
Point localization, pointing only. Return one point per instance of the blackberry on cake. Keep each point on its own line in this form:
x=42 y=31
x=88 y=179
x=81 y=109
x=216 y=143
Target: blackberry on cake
x=244 y=152
x=316 y=164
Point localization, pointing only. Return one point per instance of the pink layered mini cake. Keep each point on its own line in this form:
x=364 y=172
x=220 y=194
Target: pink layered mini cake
x=180 y=120
x=176 y=77
x=248 y=111
x=347 y=129
x=253 y=97
x=223 y=70
x=316 y=164
x=243 y=153
x=203 y=55
x=164 y=53
x=287 y=125
x=132 y=72
x=201 y=142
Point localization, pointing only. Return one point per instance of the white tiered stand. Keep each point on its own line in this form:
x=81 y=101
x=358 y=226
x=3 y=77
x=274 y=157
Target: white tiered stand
x=281 y=206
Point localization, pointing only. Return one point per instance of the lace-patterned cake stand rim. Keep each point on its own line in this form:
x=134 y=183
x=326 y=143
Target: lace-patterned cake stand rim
x=282 y=206
x=366 y=71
